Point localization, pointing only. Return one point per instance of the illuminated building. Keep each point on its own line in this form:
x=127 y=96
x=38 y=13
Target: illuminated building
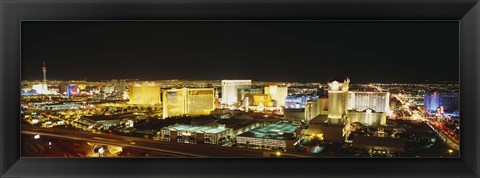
x=297 y=101
x=367 y=117
x=106 y=120
x=316 y=107
x=450 y=102
x=264 y=99
x=230 y=90
x=188 y=101
x=195 y=134
x=56 y=106
x=277 y=93
x=108 y=89
x=146 y=93
x=273 y=136
x=337 y=100
x=378 y=101
x=72 y=90
x=82 y=86
x=247 y=94
x=42 y=88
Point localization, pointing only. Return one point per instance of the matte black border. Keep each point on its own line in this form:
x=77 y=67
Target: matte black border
x=13 y=11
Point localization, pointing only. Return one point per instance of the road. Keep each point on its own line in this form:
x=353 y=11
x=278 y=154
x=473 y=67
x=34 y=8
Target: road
x=167 y=147
x=443 y=132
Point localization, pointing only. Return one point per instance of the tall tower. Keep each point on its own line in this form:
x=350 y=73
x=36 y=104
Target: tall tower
x=44 y=69
x=337 y=100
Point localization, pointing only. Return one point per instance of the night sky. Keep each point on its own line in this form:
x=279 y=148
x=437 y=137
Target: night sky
x=305 y=51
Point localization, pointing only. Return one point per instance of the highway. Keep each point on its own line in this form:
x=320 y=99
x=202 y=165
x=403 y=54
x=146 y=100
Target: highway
x=166 y=147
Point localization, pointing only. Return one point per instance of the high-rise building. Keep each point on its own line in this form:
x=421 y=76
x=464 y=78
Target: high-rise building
x=277 y=93
x=450 y=102
x=146 y=93
x=378 y=101
x=230 y=90
x=315 y=107
x=188 y=101
x=337 y=100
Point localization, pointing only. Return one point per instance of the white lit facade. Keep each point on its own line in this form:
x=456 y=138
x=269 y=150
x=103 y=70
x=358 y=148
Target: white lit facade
x=378 y=101
x=230 y=90
x=277 y=93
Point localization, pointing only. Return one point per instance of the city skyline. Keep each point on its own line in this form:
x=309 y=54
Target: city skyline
x=240 y=89
x=263 y=51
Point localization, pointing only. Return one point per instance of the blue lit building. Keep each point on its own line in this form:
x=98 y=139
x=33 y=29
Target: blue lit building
x=298 y=101
x=72 y=90
x=449 y=101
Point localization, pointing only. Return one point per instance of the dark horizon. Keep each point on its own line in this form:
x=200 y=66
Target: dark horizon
x=308 y=51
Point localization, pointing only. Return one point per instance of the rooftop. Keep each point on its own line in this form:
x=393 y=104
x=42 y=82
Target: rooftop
x=100 y=118
x=110 y=117
x=279 y=131
x=190 y=128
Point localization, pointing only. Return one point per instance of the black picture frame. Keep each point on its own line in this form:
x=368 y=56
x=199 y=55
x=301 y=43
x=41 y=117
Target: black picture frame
x=467 y=12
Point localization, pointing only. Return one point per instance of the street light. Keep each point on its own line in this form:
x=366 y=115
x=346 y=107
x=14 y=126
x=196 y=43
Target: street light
x=278 y=153
x=450 y=151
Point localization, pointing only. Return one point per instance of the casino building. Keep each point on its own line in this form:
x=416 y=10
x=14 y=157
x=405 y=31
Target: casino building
x=146 y=93
x=443 y=102
x=378 y=101
x=337 y=101
x=188 y=101
x=277 y=94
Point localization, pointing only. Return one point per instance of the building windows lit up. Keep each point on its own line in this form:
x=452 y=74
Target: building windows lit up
x=146 y=93
x=188 y=101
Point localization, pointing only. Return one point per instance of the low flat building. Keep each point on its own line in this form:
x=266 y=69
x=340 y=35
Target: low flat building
x=330 y=132
x=378 y=145
x=297 y=115
x=240 y=124
x=99 y=121
x=281 y=135
x=57 y=106
x=195 y=134
x=221 y=113
x=106 y=120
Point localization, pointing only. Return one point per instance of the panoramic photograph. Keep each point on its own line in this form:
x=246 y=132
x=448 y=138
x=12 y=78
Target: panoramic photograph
x=240 y=89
